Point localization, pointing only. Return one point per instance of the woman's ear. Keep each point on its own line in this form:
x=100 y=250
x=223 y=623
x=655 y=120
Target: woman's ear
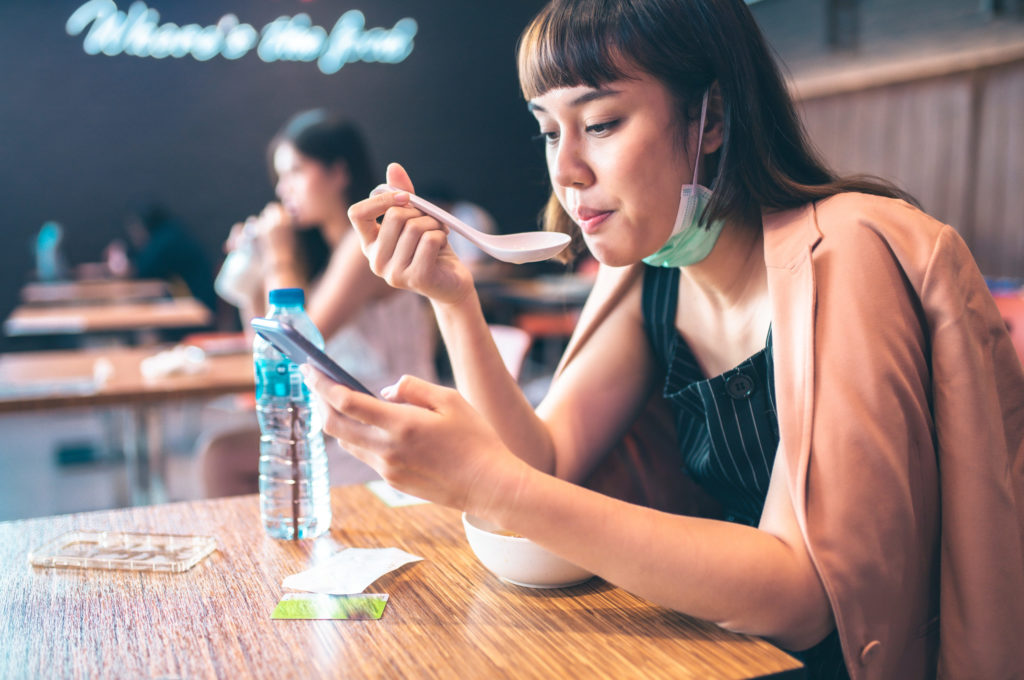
x=341 y=176
x=714 y=124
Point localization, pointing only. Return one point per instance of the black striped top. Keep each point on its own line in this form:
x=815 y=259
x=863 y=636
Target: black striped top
x=727 y=426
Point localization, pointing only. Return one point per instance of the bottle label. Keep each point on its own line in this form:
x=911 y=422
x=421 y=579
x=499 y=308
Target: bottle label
x=279 y=378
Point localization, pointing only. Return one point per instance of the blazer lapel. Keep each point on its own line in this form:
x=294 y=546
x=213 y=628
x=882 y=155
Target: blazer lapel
x=789 y=238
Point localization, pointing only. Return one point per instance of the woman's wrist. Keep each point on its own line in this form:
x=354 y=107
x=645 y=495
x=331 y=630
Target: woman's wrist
x=496 y=494
x=459 y=307
x=280 y=240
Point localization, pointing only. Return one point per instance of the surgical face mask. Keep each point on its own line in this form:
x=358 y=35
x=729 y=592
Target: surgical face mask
x=690 y=242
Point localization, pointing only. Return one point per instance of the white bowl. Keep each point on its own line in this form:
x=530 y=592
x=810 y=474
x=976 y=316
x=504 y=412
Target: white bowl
x=519 y=560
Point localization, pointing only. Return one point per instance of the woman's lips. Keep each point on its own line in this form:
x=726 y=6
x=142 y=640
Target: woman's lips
x=590 y=220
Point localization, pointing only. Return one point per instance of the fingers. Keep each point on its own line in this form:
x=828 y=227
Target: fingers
x=364 y=408
x=363 y=215
x=355 y=405
x=416 y=392
x=235 y=236
x=385 y=252
x=345 y=417
x=274 y=216
x=408 y=238
x=428 y=249
x=393 y=234
x=399 y=178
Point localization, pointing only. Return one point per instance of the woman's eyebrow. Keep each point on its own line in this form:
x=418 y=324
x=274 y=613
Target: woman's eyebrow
x=579 y=101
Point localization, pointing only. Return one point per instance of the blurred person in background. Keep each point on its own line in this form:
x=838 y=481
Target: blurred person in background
x=320 y=165
x=160 y=246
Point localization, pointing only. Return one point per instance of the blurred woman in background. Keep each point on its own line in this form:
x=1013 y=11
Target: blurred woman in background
x=321 y=165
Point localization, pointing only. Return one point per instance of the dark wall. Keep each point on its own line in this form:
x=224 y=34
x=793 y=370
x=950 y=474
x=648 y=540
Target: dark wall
x=82 y=137
x=879 y=31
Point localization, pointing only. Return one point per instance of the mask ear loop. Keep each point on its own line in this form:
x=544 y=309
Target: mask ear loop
x=691 y=189
x=700 y=134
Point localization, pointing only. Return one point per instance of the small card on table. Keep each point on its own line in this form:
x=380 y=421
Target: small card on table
x=361 y=606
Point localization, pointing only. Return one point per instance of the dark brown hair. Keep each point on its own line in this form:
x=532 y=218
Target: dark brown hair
x=327 y=139
x=765 y=161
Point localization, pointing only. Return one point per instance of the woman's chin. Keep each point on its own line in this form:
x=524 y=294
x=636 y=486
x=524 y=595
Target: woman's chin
x=303 y=222
x=612 y=257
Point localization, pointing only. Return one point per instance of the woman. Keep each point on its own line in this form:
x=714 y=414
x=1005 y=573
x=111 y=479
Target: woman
x=822 y=344
x=161 y=246
x=321 y=166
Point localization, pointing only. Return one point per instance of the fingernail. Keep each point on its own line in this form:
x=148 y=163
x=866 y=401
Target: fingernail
x=389 y=391
x=304 y=370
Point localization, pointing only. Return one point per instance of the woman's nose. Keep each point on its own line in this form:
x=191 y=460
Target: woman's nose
x=567 y=165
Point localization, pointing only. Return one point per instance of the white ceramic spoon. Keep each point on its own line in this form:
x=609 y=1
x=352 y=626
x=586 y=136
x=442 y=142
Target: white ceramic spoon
x=526 y=246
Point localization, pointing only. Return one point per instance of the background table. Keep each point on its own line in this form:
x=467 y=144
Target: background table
x=93 y=291
x=31 y=381
x=447 y=617
x=132 y=317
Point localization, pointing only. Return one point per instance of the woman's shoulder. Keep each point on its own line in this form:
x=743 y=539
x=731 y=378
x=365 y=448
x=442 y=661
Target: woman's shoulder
x=867 y=227
x=848 y=214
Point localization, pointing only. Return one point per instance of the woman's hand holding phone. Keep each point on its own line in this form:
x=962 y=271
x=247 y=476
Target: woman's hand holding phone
x=423 y=439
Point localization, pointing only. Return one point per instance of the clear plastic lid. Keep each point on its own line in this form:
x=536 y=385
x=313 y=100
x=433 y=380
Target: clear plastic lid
x=123 y=550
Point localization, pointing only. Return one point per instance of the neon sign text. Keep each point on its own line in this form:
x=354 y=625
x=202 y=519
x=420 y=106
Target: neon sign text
x=139 y=33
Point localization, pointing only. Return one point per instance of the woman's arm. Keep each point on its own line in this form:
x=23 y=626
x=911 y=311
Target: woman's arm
x=759 y=581
x=345 y=287
x=282 y=263
x=431 y=443
x=410 y=251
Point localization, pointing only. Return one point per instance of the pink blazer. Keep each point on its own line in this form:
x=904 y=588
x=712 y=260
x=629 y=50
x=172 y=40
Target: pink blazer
x=901 y=412
x=901 y=415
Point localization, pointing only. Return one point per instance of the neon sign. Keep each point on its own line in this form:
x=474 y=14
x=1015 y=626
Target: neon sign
x=139 y=33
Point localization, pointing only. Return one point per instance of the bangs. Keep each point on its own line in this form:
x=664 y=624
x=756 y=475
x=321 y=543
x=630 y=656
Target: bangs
x=567 y=46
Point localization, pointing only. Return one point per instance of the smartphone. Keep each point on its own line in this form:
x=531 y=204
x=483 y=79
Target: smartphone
x=299 y=349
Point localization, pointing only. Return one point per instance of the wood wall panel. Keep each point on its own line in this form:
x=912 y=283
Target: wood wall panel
x=955 y=142
x=915 y=135
x=999 y=197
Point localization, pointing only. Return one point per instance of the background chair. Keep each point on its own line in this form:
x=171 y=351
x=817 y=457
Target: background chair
x=513 y=345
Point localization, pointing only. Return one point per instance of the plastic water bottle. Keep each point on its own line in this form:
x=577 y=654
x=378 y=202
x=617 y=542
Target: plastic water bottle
x=240 y=277
x=50 y=265
x=294 y=483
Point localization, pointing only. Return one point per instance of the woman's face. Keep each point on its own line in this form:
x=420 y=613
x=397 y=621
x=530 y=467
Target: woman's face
x=310 y=191
x=615 y=162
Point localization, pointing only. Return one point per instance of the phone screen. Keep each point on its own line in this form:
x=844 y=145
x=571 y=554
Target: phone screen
x=299 y=349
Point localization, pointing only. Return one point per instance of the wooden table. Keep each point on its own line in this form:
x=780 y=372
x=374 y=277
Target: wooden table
x=93 y=291
x=112 y=377
x=447 y=616
x=69 y=319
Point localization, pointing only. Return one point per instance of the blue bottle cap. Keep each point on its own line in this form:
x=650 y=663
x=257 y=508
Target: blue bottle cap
x=287 y=297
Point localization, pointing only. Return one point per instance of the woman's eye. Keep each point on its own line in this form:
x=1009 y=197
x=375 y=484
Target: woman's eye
x=546 y=137
x=600 y=129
